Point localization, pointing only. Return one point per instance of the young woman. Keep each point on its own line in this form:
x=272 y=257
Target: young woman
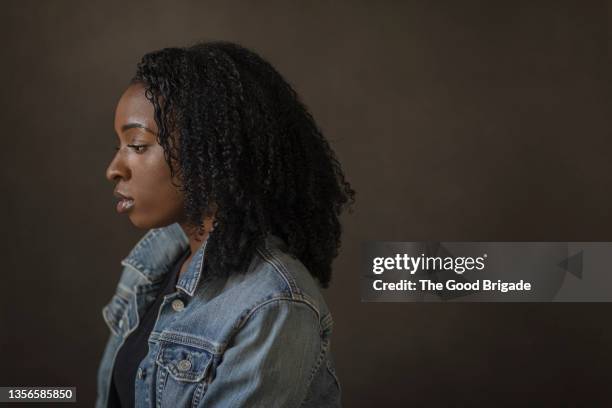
x=219 y=304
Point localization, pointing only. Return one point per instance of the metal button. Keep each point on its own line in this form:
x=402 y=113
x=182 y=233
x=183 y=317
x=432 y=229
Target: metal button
x=178 y=305
x=184 y=365
x=141 y=373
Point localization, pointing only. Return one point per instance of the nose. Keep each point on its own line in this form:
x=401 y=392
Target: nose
x=117 y=169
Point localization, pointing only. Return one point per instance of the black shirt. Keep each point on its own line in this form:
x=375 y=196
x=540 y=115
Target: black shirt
x=136 y=346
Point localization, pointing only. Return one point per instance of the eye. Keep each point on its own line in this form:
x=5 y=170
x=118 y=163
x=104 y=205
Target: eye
x=138 y=148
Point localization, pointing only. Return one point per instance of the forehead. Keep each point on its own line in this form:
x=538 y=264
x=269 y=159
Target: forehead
x=134 y=107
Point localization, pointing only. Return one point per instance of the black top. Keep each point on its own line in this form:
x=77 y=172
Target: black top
x=136 y=346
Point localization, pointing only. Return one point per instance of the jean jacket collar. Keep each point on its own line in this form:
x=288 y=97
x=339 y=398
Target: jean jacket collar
x=154 y=255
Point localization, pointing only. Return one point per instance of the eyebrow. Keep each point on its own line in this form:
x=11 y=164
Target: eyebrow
x=136 y=125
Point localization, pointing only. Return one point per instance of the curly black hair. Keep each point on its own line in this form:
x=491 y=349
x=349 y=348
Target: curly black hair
x=241 y=141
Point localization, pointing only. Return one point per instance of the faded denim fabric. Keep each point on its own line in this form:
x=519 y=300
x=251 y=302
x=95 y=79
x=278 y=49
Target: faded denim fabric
x=260 y=339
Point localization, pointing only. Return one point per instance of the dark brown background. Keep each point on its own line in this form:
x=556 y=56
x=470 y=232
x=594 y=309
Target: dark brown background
x=453 y=120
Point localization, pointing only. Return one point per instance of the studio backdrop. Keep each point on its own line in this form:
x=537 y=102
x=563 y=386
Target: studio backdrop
x=453 y=121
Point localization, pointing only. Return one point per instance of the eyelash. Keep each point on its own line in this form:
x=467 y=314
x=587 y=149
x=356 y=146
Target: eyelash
x=135 y=147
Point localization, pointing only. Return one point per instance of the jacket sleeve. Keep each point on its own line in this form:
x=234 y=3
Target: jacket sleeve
x=271 y=361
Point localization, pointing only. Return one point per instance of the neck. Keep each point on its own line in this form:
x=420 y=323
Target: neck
x=196 y=237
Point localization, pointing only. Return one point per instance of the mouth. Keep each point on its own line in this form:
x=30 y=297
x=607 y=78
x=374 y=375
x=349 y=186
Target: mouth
x=125 y=203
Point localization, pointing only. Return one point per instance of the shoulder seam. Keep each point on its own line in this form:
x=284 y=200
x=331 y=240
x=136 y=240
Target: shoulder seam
x=257 y=307
x=270 y=258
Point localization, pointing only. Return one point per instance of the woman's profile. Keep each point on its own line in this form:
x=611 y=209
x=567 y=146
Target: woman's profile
x=219 y=303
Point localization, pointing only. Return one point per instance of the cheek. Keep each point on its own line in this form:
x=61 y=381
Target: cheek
x=158 y=202
x=159 y=211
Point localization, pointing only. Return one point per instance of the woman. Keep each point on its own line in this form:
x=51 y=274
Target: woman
x=218 y=305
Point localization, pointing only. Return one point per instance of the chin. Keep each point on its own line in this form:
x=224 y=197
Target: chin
x=140 y=224
x=148 y=223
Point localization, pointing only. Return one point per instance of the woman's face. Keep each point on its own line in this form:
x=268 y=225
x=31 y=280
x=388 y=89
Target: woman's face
x=139 y=169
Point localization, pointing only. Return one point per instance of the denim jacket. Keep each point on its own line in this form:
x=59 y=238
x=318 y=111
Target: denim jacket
x=260 y=339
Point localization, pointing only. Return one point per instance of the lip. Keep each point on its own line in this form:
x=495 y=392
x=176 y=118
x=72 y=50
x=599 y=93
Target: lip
x=121 y=195
x=125 y=203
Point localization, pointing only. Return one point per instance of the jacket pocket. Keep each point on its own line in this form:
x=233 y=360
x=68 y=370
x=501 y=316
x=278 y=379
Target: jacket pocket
x=182 y=376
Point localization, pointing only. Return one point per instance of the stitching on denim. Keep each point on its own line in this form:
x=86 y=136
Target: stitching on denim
x=131 y=259
x=290 y=300
x=277 y=265
x=173 y=233
x=180 y=338
x=274 y=299
x=161 y=378
x=134 y=303
x=123 y=290
x=110 y=325
x=115 y=304
x=182 y=377
x=199 y=391
x=191 y=284
x=271 y=257
x=332 y=371
x=146 y=289
x=138 y=268
x=276 y=255
x=152 y=233
x=315 y=368
x=327 y=322
x=312 y=302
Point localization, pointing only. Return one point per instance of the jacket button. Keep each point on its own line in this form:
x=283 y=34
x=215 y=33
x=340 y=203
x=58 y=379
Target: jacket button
x=141 y=373
x=184 y=365
x=178 y=305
